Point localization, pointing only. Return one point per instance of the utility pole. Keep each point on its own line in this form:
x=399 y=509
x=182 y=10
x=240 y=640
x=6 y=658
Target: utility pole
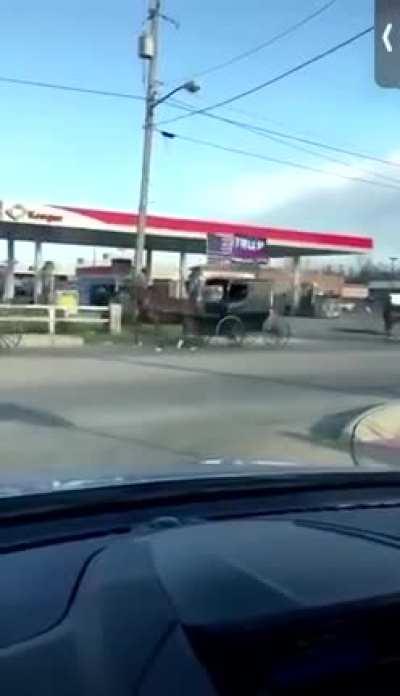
x=148 y=49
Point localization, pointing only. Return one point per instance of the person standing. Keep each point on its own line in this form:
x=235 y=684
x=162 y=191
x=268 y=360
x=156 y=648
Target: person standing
x=388 y=314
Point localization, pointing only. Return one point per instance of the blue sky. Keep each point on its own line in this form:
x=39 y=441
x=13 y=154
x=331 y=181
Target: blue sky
x=76 y=149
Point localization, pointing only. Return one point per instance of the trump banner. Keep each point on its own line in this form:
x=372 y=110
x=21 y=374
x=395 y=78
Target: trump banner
x=227 y=248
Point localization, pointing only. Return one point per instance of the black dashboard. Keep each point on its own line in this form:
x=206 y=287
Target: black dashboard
x=268 y=602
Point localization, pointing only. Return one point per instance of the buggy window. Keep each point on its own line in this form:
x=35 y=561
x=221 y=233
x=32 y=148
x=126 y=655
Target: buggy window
x=238 y=292
x=215 y=290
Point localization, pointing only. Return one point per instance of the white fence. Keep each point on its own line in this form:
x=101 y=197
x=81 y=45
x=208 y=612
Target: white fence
x=53 y=315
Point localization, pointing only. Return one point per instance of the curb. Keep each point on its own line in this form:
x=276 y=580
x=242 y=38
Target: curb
x=347 y=433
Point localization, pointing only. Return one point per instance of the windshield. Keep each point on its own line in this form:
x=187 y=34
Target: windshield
x=199 y=209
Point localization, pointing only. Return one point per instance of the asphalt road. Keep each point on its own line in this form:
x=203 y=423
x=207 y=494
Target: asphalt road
x=119 y=411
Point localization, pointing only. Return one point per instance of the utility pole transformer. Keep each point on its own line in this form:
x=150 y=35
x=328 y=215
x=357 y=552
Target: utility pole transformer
x=148 y=50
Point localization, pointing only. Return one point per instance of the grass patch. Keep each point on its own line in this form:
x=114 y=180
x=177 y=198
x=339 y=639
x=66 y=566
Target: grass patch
x=166 y=334
x=24 y=327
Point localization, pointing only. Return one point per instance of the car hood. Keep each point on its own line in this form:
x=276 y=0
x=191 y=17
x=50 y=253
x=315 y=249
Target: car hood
x=205 y=470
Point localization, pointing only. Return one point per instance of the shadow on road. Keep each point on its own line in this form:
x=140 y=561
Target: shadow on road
x=331 y=426
x=357 y=331
x=32 y=416
x=11 y=412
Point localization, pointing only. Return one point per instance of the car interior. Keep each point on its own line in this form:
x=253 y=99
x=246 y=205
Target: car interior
x=278 y=589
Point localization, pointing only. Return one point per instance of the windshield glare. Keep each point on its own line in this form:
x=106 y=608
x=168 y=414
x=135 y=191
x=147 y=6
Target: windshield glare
x=200 y=271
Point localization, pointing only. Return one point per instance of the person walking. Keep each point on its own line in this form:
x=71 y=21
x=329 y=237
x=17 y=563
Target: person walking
x=388 y=314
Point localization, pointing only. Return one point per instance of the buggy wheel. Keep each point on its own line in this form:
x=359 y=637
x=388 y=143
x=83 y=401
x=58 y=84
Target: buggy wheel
x=276 y=332
x=11 y=336
x=231 y=328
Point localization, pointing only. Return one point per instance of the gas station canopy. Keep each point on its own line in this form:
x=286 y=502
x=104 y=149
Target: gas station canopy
x=83 y=226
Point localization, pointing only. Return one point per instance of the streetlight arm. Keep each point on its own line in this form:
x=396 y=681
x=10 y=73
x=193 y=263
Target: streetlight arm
x=190 y=86
x=159 y=101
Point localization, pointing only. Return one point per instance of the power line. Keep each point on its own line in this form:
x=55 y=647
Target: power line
x=174 y=103
x=247 y=114
x=322 y=145
x=266 y=44
x=286 y=140
x=69 y=88
x=328 y=158
x=277 y=78
x=259 y=130
x=275 y=160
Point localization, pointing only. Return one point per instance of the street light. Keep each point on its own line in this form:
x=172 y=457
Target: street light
x=192 y=87
x=148 y=50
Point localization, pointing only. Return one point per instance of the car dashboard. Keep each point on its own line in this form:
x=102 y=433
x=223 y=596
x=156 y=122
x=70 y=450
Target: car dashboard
x=273 y=602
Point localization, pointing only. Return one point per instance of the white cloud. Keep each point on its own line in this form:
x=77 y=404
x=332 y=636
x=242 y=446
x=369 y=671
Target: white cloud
x=394 y=157
x=322 y=202
x=250 y=194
